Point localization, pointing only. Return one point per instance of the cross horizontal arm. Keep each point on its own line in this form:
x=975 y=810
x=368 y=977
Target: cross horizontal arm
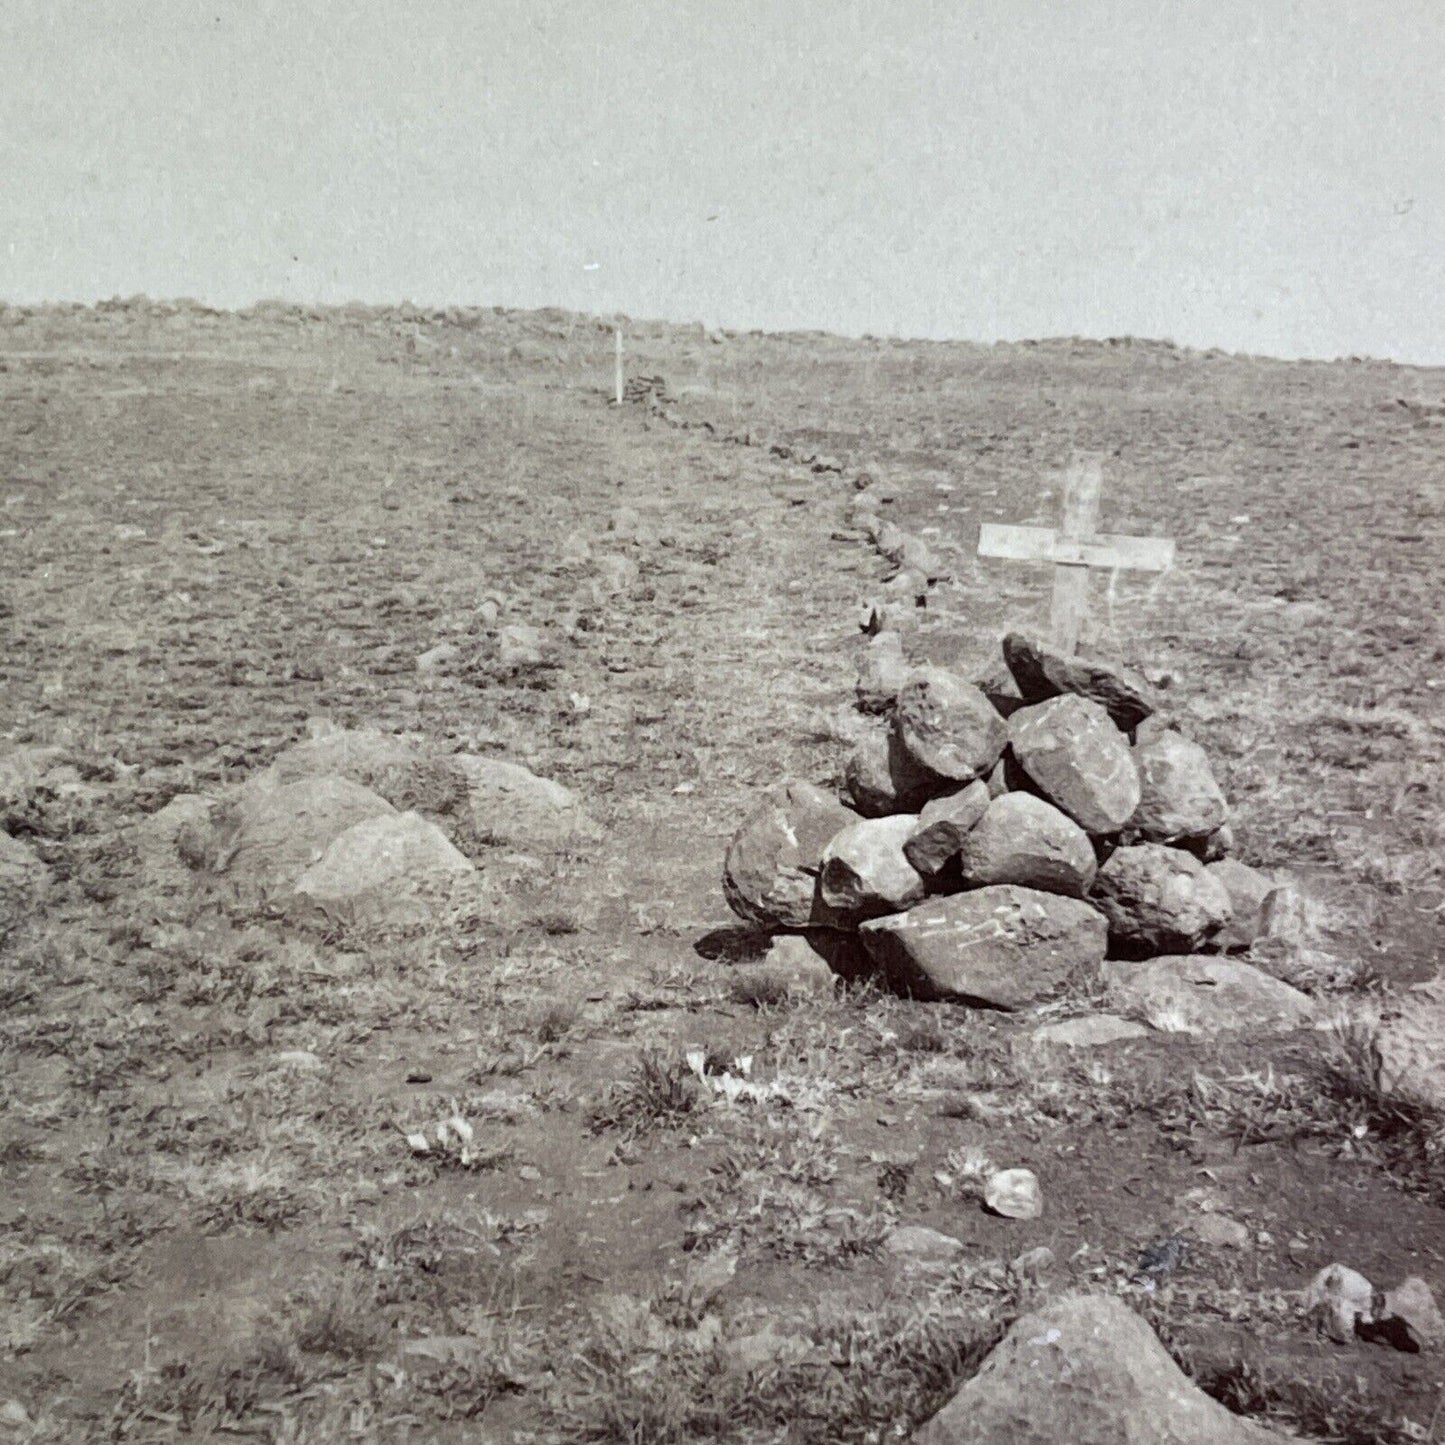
x=1043 y=544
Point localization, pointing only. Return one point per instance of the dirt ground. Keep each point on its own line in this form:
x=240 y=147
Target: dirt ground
x=216 y=528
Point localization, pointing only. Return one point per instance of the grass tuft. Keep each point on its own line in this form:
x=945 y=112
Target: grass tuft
x=657 y=1095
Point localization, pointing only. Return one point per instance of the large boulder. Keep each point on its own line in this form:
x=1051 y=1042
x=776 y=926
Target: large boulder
x=1200 y=995
x=1042 y=671
x=1086 y=1370
x=24 y=882
x=404 y=771
x=881 y=778
x=942 y=826
x=269 y=834
x=947 y=726
x=1178 y=796
x=1077 y=759
x=770 y=874
x=511 y=805
x=864 y=871
x=1022 y=839
x=390 y=868
x=1001 y=946
x=1159 y=900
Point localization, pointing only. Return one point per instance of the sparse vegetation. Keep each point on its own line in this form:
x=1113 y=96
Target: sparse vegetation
x=215 y=1224
x=658 y=1094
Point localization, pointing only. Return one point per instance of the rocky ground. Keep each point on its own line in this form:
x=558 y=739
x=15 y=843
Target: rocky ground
x=359 y=1083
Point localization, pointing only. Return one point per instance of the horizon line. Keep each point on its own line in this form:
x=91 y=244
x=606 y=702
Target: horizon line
x=439 y=312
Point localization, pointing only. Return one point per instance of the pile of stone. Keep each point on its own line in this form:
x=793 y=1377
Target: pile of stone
x=991 y=846
x=358 y=826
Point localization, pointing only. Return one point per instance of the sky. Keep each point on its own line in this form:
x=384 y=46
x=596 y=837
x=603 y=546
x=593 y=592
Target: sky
x=1259 y=175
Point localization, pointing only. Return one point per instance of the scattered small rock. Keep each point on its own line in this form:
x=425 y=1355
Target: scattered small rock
x=14 y=1415
x=800 y=966
x=908 y=587
x=406 y=771
x=1162 y=1258
x=576 y=550
x=1409 y=1044
x=1078 y=760
x=917 y=556
x=1221 y=1231
x=519 y=644
x=1290 y=922
x=23 y=770
x=302 y=1060
x=616 y=574
x=1412 y=1317
x=626 y=525
x=1014 y=1193
x=918 y=1242
x=881 y=614
x=1159 y=900
x=1089 y=1031
x=270 y=834
x=889 y=540
x=767 y=1349
x=1339 y=1300
x=173 y=841
x=436 y=658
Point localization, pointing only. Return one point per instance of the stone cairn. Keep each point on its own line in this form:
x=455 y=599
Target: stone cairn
x=992 y=846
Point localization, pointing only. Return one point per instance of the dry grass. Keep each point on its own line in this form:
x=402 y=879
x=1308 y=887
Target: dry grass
x=141 y=1024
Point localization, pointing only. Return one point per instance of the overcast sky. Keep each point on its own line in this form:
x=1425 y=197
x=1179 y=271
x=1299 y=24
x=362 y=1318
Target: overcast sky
x=1262 y=175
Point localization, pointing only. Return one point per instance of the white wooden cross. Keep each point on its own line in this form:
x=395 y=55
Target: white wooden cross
x=1074 y=548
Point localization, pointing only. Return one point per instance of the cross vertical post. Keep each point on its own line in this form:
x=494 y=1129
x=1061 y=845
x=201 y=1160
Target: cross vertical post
x=1082 y=484
x=1074 y=548
x=617 y=368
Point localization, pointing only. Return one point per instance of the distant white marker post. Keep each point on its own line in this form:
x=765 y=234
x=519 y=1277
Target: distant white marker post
x=1074 y=548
